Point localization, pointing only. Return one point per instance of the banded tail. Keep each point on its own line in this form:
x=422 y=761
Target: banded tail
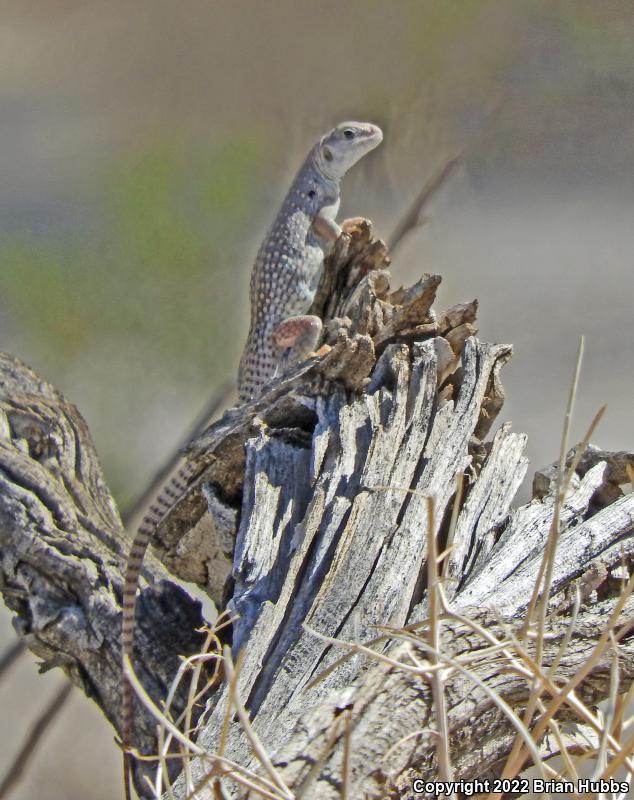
x=170 y=493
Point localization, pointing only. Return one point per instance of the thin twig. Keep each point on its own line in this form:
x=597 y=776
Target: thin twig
x=31 y=742
x=165 y=470
x=412 y=217
x=11 y=654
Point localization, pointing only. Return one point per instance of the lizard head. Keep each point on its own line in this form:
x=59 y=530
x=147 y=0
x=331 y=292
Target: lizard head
x=340 y=149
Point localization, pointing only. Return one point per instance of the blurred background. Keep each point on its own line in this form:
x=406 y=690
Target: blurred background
x=145 y=146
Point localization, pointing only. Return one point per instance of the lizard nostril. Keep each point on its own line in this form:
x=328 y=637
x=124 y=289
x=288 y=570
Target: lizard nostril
x=312 y=193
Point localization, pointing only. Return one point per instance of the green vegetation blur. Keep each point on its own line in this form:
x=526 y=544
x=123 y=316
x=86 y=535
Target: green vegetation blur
x=149 y=292
x=169 y=139
x=146 y=145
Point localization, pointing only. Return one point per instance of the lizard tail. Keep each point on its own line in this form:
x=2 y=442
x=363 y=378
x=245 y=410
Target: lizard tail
x=172 y=490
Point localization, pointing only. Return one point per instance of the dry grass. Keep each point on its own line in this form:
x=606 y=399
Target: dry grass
x=603 y=743
x=608 y=751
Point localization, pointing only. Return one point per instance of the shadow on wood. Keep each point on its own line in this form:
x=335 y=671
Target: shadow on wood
x=309 y=515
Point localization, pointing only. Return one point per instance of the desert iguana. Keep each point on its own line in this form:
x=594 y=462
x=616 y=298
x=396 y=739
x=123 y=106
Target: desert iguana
x=283 y=283
x=289 y=263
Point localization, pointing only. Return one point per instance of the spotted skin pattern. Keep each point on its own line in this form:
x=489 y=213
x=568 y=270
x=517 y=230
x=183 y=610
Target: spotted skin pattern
x=283 y=284
x=289 y=263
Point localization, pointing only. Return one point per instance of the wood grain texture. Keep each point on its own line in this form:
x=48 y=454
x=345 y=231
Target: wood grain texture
x=62 y=551
x=309 y=513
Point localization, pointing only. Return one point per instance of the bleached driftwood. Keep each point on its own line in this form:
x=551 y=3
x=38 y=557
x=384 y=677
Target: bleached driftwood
x=309 y=520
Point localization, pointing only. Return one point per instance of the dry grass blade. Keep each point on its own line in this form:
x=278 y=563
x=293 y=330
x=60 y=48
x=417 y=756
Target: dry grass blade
x=620 y=759
x=256 y=744
x=223 y=766
x=501 y=704
x=623 y=703
x=359 y=649
x=541 y=591
x=226 y=722
x=571 y=770
x=609 y=713
x=346 y=766
x=564 y=694
x=193 y=685
x=443 y=662
x=193 y=664
x=630 y=475
x=582 y=711
x=568 y=634
x=158 y=715
x=443 y=756
x=549 y=552
x=227 y=769
x=455 y=513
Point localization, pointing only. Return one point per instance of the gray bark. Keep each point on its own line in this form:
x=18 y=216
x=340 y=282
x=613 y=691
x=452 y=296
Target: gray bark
x=63 y=551
x=311 y=515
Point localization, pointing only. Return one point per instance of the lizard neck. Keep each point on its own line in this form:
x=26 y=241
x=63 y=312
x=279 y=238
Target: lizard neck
x=312 y=189
x=323 y=168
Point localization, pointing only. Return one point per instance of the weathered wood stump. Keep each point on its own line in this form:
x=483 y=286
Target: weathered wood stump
x=310 y=519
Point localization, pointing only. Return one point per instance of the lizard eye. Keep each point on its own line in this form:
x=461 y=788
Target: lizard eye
x=348 y=133
x=327 y=154
x=312 y=193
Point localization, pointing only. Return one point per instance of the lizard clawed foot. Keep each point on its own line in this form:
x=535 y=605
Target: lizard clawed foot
x=353 y=224
x=296 y=339
x=298 y=332
x=327 y=228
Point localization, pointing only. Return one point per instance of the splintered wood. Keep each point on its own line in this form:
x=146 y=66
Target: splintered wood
x=308 y=520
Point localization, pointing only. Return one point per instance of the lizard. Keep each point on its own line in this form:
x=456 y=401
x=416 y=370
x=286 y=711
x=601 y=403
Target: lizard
x=289 y=262
x=284 y=279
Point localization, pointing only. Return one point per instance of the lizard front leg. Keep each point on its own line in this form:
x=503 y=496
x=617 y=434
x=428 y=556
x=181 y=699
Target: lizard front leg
x=325 y=226
x=295 y=339
x=352 y=223
x=300 y=333
x=330 y=230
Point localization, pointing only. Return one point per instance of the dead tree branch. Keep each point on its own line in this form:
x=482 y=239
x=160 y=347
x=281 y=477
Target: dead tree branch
x=63 y=551
x=309 y=521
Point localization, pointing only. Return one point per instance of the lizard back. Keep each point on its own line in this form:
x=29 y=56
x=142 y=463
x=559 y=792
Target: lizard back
x=286 y=272
x=283 y=283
